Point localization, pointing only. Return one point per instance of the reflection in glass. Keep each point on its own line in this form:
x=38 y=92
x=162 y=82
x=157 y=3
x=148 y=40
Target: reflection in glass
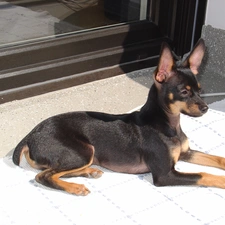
x=25 y=20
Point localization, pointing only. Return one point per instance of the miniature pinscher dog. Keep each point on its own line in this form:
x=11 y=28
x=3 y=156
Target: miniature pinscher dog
x=149 y=140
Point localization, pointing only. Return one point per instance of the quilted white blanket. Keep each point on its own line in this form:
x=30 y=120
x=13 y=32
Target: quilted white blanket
x=120 y=198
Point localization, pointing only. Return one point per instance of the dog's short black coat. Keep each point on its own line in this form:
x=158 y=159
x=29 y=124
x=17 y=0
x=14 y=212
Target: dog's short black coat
x=149 y=140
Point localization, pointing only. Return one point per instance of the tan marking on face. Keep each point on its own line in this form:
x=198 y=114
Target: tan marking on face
x=199 y=85
x=171 y=96
x=188 y=87
x=194 y=109
x=177 y=106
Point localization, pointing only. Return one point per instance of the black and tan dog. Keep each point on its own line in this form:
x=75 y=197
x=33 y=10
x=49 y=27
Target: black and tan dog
x=149 y=140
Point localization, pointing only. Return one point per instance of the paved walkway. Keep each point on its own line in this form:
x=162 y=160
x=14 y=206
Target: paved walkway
x=114 y=95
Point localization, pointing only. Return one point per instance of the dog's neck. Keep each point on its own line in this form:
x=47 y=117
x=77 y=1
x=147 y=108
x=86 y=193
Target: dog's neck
x=174 y=121
x=154 y=112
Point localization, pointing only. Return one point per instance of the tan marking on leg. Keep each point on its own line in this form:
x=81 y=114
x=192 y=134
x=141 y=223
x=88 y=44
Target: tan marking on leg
x=185 y=145
x=46 y=178
x=24 y=149
x=30 y=161
x=51 y=178
x=207 y=160
x=72 y=188
x=87 y=172
x=210 y=180
x=78 y=169
x=175 y=153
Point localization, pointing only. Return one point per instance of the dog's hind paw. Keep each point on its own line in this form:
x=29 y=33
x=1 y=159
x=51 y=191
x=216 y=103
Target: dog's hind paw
x=91 y=173
x=77 y=189
x=96 y=173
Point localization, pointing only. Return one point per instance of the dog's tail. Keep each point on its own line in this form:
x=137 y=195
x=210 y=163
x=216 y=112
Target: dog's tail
x=18 y=151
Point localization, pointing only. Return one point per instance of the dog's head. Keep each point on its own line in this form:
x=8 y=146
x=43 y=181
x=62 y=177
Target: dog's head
x=176 y=82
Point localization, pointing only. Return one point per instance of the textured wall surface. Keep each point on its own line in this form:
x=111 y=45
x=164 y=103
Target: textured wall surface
x=212 y=75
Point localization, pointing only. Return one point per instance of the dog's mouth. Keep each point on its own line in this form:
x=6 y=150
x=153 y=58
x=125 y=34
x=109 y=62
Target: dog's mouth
x=196 y=111
x=193 y=109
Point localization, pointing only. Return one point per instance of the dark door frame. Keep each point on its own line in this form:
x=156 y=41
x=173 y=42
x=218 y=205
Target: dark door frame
x=179 y=20
x=36 y=68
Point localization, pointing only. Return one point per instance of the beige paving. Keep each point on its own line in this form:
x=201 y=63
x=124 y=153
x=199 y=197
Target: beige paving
x=119 y=94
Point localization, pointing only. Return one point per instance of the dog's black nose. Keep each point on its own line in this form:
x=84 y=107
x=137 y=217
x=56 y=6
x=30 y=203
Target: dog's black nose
x=204 y=109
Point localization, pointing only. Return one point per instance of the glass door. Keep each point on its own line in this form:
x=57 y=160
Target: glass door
x=47 y=45
x=22 y=21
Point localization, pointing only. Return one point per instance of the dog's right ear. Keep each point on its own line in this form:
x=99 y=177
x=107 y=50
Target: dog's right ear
x=166 y=63
x=194 y=60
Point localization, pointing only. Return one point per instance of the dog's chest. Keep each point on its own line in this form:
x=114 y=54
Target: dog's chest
x=176 y=145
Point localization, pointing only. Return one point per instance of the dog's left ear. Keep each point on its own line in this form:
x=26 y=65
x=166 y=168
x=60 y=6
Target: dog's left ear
x=194 y=60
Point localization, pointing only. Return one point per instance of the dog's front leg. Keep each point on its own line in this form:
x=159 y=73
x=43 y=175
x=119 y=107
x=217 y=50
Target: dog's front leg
x=201 y=158
x=171 y=177
x=174 y=178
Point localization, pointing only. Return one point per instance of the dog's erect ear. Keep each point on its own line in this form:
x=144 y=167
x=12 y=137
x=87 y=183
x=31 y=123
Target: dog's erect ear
x=166 y=63
x=194 y=60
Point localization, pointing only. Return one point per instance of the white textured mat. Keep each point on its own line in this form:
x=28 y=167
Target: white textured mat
x=120 y=198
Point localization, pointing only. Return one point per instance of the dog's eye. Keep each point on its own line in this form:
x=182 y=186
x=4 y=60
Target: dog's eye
x=184 y=92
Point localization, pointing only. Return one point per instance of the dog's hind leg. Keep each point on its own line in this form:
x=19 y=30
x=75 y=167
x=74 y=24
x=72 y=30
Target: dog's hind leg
x=87 y=172
x=51 y=178
x=31 y=162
